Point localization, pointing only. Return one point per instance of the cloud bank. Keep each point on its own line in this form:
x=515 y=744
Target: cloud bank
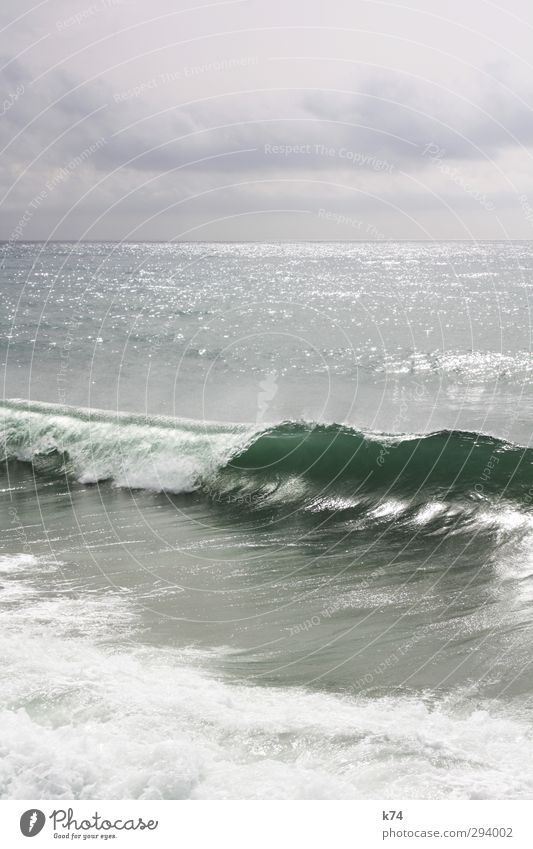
x=248 y=120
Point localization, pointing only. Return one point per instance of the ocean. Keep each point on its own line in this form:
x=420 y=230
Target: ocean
x=266 y=520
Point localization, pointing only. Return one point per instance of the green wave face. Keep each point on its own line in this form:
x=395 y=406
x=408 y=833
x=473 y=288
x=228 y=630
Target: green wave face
x=451 y=462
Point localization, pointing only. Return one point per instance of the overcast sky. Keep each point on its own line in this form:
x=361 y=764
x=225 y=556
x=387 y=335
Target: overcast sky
x=266 y=119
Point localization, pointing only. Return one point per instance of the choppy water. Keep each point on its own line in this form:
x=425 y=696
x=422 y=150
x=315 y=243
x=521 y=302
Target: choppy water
x=267 y=521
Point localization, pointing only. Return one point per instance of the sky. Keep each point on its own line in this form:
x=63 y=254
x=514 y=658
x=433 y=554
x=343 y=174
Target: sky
x=266 y=120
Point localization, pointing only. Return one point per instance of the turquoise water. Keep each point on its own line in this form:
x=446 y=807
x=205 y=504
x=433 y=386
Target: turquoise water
x=266 y=521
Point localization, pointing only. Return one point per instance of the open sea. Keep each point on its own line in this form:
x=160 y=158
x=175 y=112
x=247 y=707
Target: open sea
x=266 y=526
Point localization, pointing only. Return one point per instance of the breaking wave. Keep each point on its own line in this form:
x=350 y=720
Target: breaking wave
x=318 y=467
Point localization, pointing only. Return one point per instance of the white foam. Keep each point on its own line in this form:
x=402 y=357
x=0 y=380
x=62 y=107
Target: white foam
x=332 y=503
x=389 y=508
x=18 y=563
x=84 y=722
x=153 y=454
x=32 y=603
x=97 y=617
x=428 y=513
x=172 y=474
x=505 y=518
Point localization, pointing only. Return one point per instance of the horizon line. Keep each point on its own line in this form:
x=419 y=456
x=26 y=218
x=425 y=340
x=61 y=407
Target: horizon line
x=248 y=241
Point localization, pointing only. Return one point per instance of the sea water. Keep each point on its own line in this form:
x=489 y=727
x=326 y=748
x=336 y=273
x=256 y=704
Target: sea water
x=266 y=520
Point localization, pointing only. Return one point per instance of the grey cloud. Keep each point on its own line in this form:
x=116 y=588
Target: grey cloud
x=344 y=139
